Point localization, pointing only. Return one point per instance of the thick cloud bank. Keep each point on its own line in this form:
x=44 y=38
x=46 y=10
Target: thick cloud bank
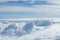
x=29 y=30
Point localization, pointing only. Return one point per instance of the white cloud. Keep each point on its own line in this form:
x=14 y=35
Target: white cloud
x=44 y=34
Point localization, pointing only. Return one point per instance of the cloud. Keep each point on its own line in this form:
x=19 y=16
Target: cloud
x=39 y=10
x=50 y=1
x=44 y=34
x=49 y=9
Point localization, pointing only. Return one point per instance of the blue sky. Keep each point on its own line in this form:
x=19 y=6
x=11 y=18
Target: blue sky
x=30 y=11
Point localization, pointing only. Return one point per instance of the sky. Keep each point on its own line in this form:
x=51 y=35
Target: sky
x=51 y=8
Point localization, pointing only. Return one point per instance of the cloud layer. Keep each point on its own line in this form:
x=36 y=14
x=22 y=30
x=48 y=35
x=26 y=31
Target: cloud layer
x=50 y=33
x=47 y=10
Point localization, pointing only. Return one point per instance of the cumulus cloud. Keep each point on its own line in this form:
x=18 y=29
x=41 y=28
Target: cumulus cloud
x=51 y=33
x=44 y=34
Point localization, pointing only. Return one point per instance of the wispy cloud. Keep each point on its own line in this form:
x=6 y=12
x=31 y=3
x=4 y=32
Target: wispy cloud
x=49 y=9
x=46 y=10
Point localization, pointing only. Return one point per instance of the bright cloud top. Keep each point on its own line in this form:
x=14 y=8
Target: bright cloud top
x=52 y=32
